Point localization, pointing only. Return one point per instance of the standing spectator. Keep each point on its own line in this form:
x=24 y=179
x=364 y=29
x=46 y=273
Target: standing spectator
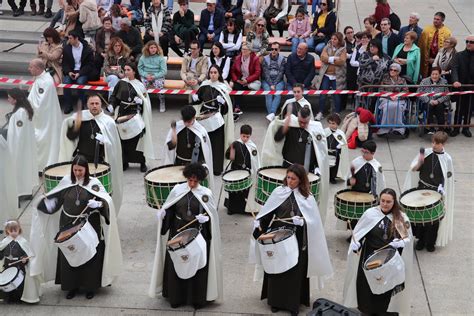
x=231 y=38
x=444 y=56
x=332 y=74
x=412 y=26
x=373 y=64
x=252 y=9
x=365 y=38
x=116 y=15
x=388 y=39
x=17 y=11
x=158 y=27
x=89 y=17
x=299 y=67
x=257 y=39
x=40 y=11
x=105 y=4
x=273 y=72
x=72 y=18
x=233 y=10
x=50 y=51
x=351 y=72
x=104 y=35
x=432 y=39
x=183 y=26
x=78 y=65
x=382 y=11
x=194 y=67
x=116 y=56
x=152 y=69
x=276 y=14
x=211 y=23
x=462 y=72
x=218 y=57
x=324 y=25
x=131 y=36
x=369 y=24
x=407 y=55
x=300 y=30
x=132 y=9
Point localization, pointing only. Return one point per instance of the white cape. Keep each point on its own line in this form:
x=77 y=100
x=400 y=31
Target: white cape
x=303 y=102
x=272 y=154
x=411 y=181
x=47 y=119
x=319 y=263
x=8 y=194
x=214 y=278
x=344 y=157
x=359 y=162
x=22 y=145
x=112 y=146
x=44 y=228
x=401 y=301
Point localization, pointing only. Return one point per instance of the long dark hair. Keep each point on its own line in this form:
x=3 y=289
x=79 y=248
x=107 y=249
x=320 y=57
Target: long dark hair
x=221 y=50
x=218 y=70
x=300 y=172
x=80 y=160
x=134 y=68
x=21 y=102
x=376 y=43
x=396 y=209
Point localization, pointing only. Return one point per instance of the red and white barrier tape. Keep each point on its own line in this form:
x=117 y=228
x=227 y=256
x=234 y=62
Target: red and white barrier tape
x=6 y=80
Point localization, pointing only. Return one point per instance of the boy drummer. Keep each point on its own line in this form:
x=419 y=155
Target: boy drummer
x=337 y=148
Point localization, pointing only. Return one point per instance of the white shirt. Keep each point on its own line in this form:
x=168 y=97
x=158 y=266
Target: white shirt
x=77 y=53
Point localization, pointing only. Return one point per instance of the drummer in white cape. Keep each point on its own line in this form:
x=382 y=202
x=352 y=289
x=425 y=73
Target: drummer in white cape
x=93 y=134
x=297 y=103
x=48 y=118
x=8 y=196
x=298 y=139
x=214 y=104
x=433 y=169
x=133 y=117
x=338 y=152
x=88 y=259
x=15 y=252
x=189 y=275
x=243 y=154
x=304 y=257
x=22 y=143
x=378 y=280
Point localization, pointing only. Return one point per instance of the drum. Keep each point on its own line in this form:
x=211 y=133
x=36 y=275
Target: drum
x=384 y=270
x=188 y=251
x=131 y=128
x=11 y=279
x=162 y=180
x=278 y=250
x=77 y=242
x=237 y=180
x=54 y=173
x=269 y=178
x=422 y=206
x=350 y=205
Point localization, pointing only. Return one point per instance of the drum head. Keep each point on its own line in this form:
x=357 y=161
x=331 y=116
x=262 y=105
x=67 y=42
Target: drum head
x=353 y=196
x=420 y=198
x=278 y=173
x=312 y=177
x=65 y=169
x=383 y=255
x=169 y=174
x=186 y=236
x=8 y=275
x=280 y=235
x=235 y=175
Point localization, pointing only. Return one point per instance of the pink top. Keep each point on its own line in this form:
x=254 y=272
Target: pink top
x=298 y=28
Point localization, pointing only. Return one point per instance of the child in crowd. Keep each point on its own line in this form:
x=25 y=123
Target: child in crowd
x=337 y=148
x=299 y=29
x=152 y=68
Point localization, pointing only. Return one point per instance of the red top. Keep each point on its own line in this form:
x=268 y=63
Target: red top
x=382 y=10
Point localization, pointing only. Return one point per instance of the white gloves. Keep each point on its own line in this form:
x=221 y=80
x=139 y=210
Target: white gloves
x=317 y=171
x=256 y=223
x=441 y=189
x=398 y=243
x=220 y=99
x=50 y=204
x=355 y=245
x=195 y=97
x=100 y=137
x=161 y=214
x=110 y=108
x=138 y=100
x=202 y=218
x=94 y=204
x=298 y=221
x=338 y=146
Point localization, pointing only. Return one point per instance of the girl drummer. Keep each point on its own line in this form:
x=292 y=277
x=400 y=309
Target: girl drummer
x=292 y=206
x=379 y=227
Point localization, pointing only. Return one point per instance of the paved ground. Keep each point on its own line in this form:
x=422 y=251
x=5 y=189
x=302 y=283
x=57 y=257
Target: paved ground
x=443 y=279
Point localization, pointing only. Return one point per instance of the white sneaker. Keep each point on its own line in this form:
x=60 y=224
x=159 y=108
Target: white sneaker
x=162 y=107
x=270 y=117
x=318 y=116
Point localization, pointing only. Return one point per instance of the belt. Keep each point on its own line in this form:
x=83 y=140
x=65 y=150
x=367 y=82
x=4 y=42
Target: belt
x=83 y=215
x=428 y=185
x=185 y=159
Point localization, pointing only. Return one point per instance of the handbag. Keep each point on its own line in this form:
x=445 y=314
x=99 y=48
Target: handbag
x=271 y=12
x=395 y=21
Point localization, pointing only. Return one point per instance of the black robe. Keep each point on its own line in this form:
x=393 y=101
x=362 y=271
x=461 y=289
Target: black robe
x=365 y=181
x=186 y=140
x=87 y=143
x=294 y=147
x=11 y=253
x=296 y=107
x=238 y=200
x=192 y=291
x=287 y=290
x=335 y=152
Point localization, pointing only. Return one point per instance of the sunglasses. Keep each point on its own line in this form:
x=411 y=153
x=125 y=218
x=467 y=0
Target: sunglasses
x=274 y=49
x=469 y=42
x=394 y=70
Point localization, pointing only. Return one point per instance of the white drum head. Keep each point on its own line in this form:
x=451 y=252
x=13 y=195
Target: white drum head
x=235 y=175
x=353 y=196
x=312 y=177
x=171 y=174
x=420 y=198
x=274 y=173
x=8 y=275
x=64 y=170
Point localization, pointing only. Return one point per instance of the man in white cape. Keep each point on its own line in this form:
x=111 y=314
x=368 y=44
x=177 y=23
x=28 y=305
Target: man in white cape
x=47 y=118
x=8 y=191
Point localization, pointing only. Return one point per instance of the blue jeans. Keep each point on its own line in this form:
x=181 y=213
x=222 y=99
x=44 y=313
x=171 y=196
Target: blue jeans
x=203 y=39
x=328 y=84
x=296 y=41
x=318 y=49
x=170 y=5
x=272 y=101
x=111 y=80
x=68 y=92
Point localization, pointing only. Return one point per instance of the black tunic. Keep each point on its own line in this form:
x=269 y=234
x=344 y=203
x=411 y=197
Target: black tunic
x=335 y=152
x=238 y=200
x=186 y=140
x=364 y=179
x=191 y=291
x=11 y=253
x=87 y=143
x=431 y=167
x=296 y=107
x=287 y=290
x=294 y=147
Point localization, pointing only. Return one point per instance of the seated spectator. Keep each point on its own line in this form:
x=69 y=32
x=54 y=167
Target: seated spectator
x=444 y=57
x=89 y=17
x=231 y=38
x=218 y=57
x=434 y=106
x=194 y=67
x=407 y=54
x=369 y=24
x=78 y=65
x=300 y=30
x=116 y=15
x=373 y=64
x=257 y=39
x=382 y=11
x=299 y=67
x=412 y=26
x=232 y=10
x=273 y=72
x=252 y=9
x=133 y=10
x=211 y=23
x=324 y=25
x=59 y=16
x=152 y=69
x=245 y=73
x=105 y=4
x=393 y=108
x=356 y=126
x=116 y=56
x=183 y=26
x=388 y=39
x=51 y=51
x=104 y=35
x=72 y=18
x=131 y=36
x=276 y=14
x=365 y=38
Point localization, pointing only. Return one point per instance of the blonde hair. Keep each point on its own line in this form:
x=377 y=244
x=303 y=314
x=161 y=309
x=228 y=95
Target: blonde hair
x=12 y=224
x=146 y=49
x=257 y=20
x=125 y=51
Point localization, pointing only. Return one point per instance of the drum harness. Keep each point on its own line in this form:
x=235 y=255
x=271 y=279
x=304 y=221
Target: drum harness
x=189 y=214
x=86 y=217
x=429 y=186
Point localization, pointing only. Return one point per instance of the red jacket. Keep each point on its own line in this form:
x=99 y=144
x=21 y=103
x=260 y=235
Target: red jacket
x=254 y=68
x=382 y=10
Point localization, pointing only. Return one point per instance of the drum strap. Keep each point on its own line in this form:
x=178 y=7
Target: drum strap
x=429 y=185
x=185 y=159
x=195 y=154
x=83 y=215
x=307 y=154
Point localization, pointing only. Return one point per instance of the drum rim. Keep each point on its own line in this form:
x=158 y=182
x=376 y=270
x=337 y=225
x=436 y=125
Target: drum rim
x=81 y=221
x=404 y=206
x=235 y=181
x=274 y=230
x=46 y=176
x=183 y=246
x=394 y=251
x=337 y=198
x=161 y=167
x=259 y=175
x=16 y=275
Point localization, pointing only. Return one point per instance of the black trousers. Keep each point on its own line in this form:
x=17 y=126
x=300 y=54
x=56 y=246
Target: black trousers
x=427 y=234
x=165 y=42
x=434 y=111
x=188 y=36
x=14 y=6
x=280 y=26
x=463 y=109
x=333 y=169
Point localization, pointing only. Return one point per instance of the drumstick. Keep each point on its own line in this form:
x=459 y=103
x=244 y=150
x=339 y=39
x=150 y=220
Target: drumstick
x=190 y=223
x=15 y=262
x=352 y=233
x=287 y=218
x=271 y=222
x=387 y=245
x=85 y=208
x=255 y=217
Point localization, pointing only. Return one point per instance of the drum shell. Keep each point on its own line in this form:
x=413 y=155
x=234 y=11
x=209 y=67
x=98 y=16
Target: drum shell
x=280 y=256
x=131 y=128
x=14 y=281
x=388 y=275
x=350 y=210
x=419 y=216
x=237 y=185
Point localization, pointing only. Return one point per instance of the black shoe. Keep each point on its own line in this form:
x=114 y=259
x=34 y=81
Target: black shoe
x=217 y=174
x=125 y=166
x=41 y=10
x=274 y=309
x=333 y=181
x=90 y=295
x=420 y=245
x=143 y=167
x=348 y=239
x=466 y=132
x=430 y=248
x=48 y=14
x=175 y=305
x=71 y=294
x=229 y=212
x=18 y=12
x=454 y=133
x=67 y=111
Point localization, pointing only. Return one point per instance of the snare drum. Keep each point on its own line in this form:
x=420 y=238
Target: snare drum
x=162 y=180
x=269 y=178
x=188 y=251
x=11 y=279
x=422 y=206
x=350 y=205
x=54 y=173
x=236 y=180
x=384 y=270
x=77 y=242
x=278 y=250
x=131 y=128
